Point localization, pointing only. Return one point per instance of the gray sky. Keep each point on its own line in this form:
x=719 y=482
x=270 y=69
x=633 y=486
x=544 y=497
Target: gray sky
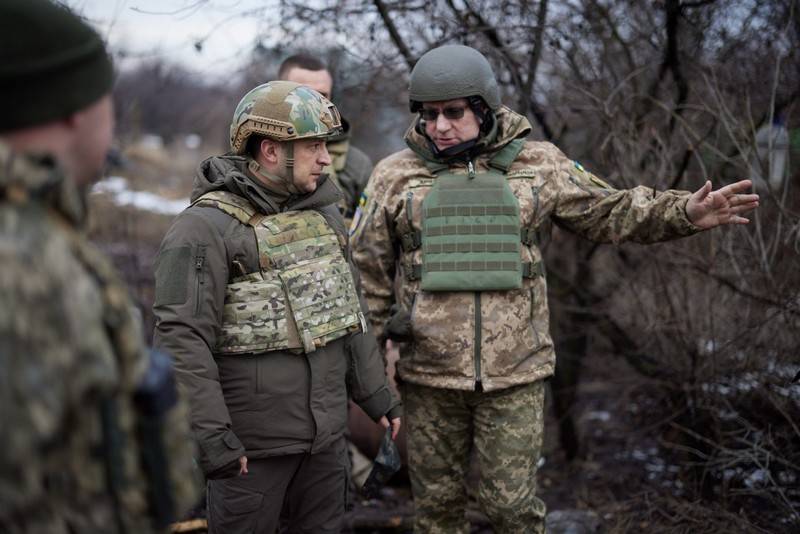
x=170 y=28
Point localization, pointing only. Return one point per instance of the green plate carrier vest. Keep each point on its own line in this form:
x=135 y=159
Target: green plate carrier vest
x=303 y=296
x=471 y=229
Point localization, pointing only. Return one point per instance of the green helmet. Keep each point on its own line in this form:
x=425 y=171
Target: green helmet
x=452 y=71
x=283 y=111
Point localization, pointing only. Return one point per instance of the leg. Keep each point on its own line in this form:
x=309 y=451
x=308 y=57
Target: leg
x=439 y=433
x=252 y=502
x=317 y=495
x=508 y=438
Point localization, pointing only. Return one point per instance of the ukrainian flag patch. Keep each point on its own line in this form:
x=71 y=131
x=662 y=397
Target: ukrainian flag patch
x=362 y=202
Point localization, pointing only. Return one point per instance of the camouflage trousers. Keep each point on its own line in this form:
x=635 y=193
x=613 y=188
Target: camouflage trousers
x=504 y=427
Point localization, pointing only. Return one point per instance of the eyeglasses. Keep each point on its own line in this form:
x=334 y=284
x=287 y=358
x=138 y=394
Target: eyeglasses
x=452 y=114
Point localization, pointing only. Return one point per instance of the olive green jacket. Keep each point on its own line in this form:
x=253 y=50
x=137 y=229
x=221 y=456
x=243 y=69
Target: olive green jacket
x=264 y=404
x=500 y=338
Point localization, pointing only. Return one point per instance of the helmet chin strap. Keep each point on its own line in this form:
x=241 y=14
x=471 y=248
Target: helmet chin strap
x=288 y=151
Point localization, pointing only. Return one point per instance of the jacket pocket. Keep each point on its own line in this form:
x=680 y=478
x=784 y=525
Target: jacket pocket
x=442 y=328
x=511 y=337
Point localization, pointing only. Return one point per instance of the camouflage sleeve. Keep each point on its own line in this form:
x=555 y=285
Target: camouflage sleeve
x=374 y=252
x=359 y=166
x=191 y=275
x=55 y=356
x=588 y=206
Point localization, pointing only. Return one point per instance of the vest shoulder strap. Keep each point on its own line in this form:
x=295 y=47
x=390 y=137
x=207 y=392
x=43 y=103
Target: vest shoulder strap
x=237 y=207
x=504 y=157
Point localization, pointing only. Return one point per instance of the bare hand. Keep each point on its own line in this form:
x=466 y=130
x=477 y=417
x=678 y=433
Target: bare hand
x=243 y=465
x=707 y=208
x=395 y=425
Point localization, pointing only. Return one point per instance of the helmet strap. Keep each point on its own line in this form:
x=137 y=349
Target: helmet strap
x=288 y=151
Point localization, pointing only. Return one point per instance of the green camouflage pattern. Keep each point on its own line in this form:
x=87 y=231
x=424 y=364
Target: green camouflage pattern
x=470 y=234
x=304 y=296
x=283 y=111
x=506 y=430
x=69 y=336
x=514 y=344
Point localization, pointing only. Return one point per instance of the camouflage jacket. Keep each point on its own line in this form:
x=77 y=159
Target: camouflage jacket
x=263 y=404
x=70 y=351
x=498 y=337
x=350 y=169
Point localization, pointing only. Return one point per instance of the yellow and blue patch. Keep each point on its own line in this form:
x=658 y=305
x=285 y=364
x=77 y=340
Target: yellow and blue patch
x=358 y=215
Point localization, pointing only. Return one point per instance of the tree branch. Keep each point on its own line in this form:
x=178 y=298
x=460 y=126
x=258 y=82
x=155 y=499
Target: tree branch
x=394 y=34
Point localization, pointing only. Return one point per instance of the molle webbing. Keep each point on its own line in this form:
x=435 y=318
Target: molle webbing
x=302 y=297
x=470 y=234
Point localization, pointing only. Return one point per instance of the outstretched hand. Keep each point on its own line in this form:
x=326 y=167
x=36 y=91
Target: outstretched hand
x=707 y=208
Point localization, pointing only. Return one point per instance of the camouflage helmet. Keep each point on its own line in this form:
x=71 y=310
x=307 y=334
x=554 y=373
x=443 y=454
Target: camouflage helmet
x=283 y=111
x=452 y=71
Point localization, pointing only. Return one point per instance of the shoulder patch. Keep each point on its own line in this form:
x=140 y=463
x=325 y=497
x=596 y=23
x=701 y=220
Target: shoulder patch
x=597 y=182
x=359 y=214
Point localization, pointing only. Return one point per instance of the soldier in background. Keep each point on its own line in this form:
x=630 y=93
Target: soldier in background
x=93 y=438
x=350 y=167
x=453 y=220
x=258 y=299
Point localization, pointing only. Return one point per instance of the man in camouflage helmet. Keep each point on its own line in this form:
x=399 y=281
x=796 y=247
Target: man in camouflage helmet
x=93 y=438
x=452 y=220
x=350 y=167
x=258 y=299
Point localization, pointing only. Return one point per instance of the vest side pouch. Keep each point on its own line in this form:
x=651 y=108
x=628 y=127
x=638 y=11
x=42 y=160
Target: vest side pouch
x=470 y=234
x=323 y=300
x=255 y=317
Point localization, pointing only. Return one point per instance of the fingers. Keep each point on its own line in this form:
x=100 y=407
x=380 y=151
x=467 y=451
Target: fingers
x=396 y=423
x=742 y=208
x=384 y=422
x=243 y=465
x=744 y=199
x=737 y=187
x=735 y=219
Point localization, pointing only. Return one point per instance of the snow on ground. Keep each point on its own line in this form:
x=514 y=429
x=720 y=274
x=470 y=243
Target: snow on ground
x=117 y=188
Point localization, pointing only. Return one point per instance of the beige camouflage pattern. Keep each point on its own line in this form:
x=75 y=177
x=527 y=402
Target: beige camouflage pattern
x=304 y=295
x=68 y=336
x=515 y=346
x=506 y=427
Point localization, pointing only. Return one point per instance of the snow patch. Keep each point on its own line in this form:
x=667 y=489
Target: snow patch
x=117 y=188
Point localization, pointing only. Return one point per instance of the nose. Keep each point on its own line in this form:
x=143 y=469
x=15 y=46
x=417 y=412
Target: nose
x=324 y=158
x=442 y=123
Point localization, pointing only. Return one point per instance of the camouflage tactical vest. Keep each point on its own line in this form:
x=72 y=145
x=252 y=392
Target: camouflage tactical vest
x=302 y=297
x=470 y=235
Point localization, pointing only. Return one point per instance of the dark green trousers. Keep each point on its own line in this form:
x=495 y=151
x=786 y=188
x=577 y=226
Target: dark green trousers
x=307 y=491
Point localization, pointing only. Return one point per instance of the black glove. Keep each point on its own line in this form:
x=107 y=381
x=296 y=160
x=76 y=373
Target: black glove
x=398 y=327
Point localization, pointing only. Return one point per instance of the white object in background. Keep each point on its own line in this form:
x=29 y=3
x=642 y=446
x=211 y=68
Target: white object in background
x=772 y=151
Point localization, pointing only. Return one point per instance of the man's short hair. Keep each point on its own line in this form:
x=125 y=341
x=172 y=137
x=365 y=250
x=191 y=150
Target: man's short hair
x=300 y=61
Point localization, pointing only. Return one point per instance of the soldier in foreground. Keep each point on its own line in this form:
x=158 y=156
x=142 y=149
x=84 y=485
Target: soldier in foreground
x=93 y=439
x=350 y=167
x=257 y=298
x=453 y=220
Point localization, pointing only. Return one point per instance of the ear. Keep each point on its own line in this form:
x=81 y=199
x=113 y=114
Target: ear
x=269 y=151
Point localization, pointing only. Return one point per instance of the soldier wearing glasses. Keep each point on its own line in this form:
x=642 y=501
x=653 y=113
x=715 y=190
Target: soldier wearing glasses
x=452 y=220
